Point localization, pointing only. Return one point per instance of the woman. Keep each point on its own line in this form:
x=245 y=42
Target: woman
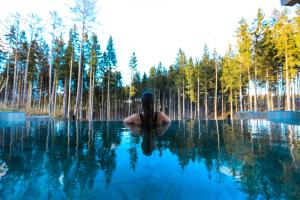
x=148 y=118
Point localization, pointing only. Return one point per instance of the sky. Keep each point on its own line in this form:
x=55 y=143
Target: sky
x=155 y=29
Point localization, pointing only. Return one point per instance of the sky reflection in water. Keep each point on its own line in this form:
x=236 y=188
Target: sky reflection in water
x=47 y=159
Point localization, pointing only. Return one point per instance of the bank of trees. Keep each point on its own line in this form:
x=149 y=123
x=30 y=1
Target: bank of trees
x=74 y=76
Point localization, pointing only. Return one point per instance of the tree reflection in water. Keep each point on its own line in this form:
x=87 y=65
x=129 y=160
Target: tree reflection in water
x=68 y=158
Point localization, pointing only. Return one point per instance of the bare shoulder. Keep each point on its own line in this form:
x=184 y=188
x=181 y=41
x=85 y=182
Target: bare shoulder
x=163 y=118
x=133 y=119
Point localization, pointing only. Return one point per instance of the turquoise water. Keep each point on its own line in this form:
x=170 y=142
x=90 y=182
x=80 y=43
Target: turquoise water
x=47 y=159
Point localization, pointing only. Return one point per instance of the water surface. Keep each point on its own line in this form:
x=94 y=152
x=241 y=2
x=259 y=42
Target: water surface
x=48 y=159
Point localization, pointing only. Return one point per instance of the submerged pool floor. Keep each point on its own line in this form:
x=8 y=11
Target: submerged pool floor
x=250 y=159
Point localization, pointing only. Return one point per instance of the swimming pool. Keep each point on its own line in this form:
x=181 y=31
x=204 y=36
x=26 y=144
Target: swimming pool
x=250 y=159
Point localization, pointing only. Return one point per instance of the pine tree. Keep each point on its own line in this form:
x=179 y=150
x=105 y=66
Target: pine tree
x=13 y=39
x=285 y=43
x=268 y=70
x=59 y=68
x=42 y=73
x=216 y=85
x=56 y=23
x=111 y=61
x=34 y=29
x=244 y=60
x=85 y=13
x=133 y=68
x=207 y=77
x=198 y=74
x=171 y=80
x=69 y=59
x=181 y=63
x=230 y=76
x=95 y=56
x=190 y=84
x=258 y=50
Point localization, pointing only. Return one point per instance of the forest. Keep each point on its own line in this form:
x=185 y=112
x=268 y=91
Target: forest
x=73 y=76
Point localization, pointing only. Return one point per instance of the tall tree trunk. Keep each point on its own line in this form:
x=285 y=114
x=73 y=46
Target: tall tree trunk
x=19 y=91
x=78 y=93
x=155 y=100
x=81 y=94
x=179 y=104
x=70 y=87
x=278 y=92
x=255 y=88
x=241 y=93
x=174 y=107
x=40 y=94
x=206 y=104
x=293 y=95
x=129 y=112
x=241 y=98
x=225 y=104
x=55 y=97
x=54 y=94
x=49 y=91
x=198 y=98
x=236 y=102
x=25 y=75
x=195 y=111
x=268 y=90
x=93 y=90
x=249 y=90
x=108 y=96
x=29 y=96
x=231 y=104
x=287 y=80
x=159 y=103
x=191 y=109
x=7 y=81
x=15 y=81
x=102 y=103
x=170 y=102
x=271 y=100
x=65 y=98
x=45 y=103
x=222 y=101
x=183 y=101
x=90 y=108
x=216 y=88
x=50 y=78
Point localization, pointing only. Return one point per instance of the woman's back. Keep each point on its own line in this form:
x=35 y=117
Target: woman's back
x=139 y=119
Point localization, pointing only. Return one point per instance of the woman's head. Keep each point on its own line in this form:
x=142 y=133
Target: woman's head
x=148 y=103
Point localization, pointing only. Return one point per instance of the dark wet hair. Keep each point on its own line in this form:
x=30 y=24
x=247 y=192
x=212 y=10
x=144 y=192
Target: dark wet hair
x=147 y=142
x=148 y=107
